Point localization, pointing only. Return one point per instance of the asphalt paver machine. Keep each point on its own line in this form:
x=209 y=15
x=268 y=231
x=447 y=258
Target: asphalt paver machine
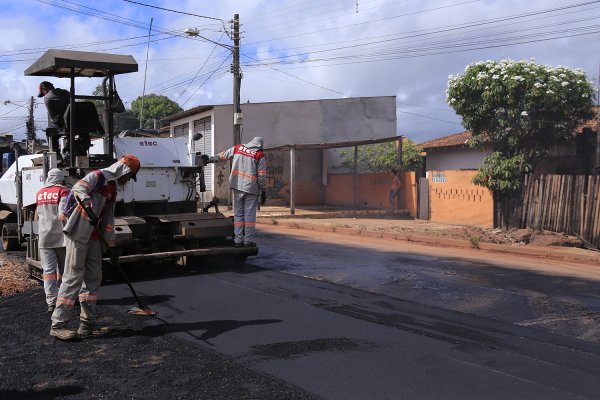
x=157 y=217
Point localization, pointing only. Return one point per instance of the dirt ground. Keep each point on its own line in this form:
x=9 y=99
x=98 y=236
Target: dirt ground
x=134 y=362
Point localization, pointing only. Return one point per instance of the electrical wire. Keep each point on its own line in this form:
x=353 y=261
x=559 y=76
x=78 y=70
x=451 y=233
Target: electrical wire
x=200 y=69
x=425 y=116
x=175 y=11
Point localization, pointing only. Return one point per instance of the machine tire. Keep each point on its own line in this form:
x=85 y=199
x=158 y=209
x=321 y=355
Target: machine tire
x=9 y=240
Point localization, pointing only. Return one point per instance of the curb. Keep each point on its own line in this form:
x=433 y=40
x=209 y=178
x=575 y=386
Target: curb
x=566 y=254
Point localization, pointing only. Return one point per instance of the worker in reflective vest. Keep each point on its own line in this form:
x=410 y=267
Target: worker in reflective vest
x=248 y=179
x=50 y=199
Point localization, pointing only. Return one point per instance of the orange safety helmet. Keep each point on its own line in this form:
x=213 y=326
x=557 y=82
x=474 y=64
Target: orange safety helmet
x=133 y=163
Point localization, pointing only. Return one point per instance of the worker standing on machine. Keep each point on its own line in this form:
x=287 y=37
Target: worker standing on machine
x=247 y=180
x=97 y=192
x=50 y=199
x=56 y=100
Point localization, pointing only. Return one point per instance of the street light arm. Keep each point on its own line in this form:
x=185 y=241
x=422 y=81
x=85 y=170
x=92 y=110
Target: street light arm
x=195 y=33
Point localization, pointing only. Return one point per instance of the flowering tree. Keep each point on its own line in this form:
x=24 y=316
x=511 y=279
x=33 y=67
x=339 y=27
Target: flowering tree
x=522 y=110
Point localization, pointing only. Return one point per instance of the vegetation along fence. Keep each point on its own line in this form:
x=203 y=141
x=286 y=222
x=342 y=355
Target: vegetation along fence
x=563 y=203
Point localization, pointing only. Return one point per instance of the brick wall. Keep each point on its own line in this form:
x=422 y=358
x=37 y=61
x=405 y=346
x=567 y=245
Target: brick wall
x=373 y=191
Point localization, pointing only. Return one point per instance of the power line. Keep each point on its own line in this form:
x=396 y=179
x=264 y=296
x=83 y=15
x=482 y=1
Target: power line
x=458 y=26
x=175 y=11
x=364 y=22
x=202 y=84
x=425 y=116
x=426 y=32
x=297 y=77
x=439 y=49
x=200 y=69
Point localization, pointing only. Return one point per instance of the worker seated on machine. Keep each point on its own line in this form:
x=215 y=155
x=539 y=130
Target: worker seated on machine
x=85 y=121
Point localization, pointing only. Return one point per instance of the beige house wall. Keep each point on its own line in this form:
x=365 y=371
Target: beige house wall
x=454 y=199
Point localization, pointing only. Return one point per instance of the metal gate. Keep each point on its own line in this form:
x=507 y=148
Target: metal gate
x=423 y=211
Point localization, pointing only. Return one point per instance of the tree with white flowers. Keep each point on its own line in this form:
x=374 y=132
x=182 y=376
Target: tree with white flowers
x=522 y=110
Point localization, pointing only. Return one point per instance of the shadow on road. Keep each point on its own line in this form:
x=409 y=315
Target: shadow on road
x=212 y=329
x=126 y=301
x=44 y=394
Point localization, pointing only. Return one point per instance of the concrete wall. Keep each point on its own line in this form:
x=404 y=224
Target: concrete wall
x=454 y=199
x=311 y=121
x=309 y=186
x=454 y=159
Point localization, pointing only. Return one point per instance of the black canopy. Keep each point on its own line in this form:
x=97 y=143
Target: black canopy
x=85 y=64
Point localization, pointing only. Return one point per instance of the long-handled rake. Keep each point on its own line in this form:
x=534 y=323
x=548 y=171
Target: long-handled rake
x=140 y=308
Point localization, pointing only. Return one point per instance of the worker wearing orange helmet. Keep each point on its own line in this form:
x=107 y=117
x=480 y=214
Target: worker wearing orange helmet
x=83 y=262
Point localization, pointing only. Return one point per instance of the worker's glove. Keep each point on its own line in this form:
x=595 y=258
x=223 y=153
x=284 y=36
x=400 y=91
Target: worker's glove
x=87 y=206
x=263 y=197
x=212 y=159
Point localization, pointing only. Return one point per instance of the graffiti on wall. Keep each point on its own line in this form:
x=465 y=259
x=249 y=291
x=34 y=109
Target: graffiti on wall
x=277 y=186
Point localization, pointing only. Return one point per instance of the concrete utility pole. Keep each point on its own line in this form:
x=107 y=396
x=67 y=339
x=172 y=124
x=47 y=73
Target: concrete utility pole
x=237 y=82
x=30 y=122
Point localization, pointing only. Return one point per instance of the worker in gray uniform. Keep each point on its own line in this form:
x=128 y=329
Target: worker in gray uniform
x=85 y=223
x=50 y=199
x=248 y=180
x=56 y=100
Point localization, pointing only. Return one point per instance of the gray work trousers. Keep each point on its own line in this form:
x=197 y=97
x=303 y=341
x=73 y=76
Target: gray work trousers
x=53 y=261
x=244 y=216
x=82 y=278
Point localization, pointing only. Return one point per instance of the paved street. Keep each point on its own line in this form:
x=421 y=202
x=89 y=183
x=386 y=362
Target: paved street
x=340 y=342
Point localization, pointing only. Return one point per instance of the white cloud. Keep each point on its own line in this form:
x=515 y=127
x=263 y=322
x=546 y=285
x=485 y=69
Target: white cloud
x=409 y=56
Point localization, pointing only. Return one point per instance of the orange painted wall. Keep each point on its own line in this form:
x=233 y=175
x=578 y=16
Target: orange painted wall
x=373 y=191
x=454 y=199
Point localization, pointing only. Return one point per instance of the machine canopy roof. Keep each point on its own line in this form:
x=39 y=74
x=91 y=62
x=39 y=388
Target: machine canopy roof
x=85 y=64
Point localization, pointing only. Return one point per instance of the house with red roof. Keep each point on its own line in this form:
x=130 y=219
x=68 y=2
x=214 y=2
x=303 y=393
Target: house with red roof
x=451 y=163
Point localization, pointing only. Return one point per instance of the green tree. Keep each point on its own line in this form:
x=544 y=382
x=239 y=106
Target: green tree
x=122 y=121
x=522 y=110
x=383 y=157
x=155 y=107
x=99 y=103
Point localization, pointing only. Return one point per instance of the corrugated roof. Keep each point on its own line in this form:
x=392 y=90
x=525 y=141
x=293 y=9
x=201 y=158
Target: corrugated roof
x=187 y=113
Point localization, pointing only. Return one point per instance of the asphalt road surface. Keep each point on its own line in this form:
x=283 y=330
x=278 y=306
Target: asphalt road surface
x=379 y=320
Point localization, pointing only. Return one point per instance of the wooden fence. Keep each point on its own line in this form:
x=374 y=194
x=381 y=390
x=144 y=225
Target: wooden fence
x=563 y=203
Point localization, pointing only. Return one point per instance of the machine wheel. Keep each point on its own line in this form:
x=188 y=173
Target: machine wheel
x=10 y=240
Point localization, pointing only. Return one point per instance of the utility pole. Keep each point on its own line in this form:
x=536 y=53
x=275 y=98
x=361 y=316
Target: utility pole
x=145 y=72
x=237 y=82
x=30 y=124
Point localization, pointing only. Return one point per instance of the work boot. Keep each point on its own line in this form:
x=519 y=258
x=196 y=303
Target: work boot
x=238 y=245
x=61 y=332
x=87 y=330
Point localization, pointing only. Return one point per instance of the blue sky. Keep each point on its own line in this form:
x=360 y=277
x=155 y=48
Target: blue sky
x=296 y=49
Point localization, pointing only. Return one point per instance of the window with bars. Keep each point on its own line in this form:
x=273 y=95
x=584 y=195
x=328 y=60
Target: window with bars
x=181 y=130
